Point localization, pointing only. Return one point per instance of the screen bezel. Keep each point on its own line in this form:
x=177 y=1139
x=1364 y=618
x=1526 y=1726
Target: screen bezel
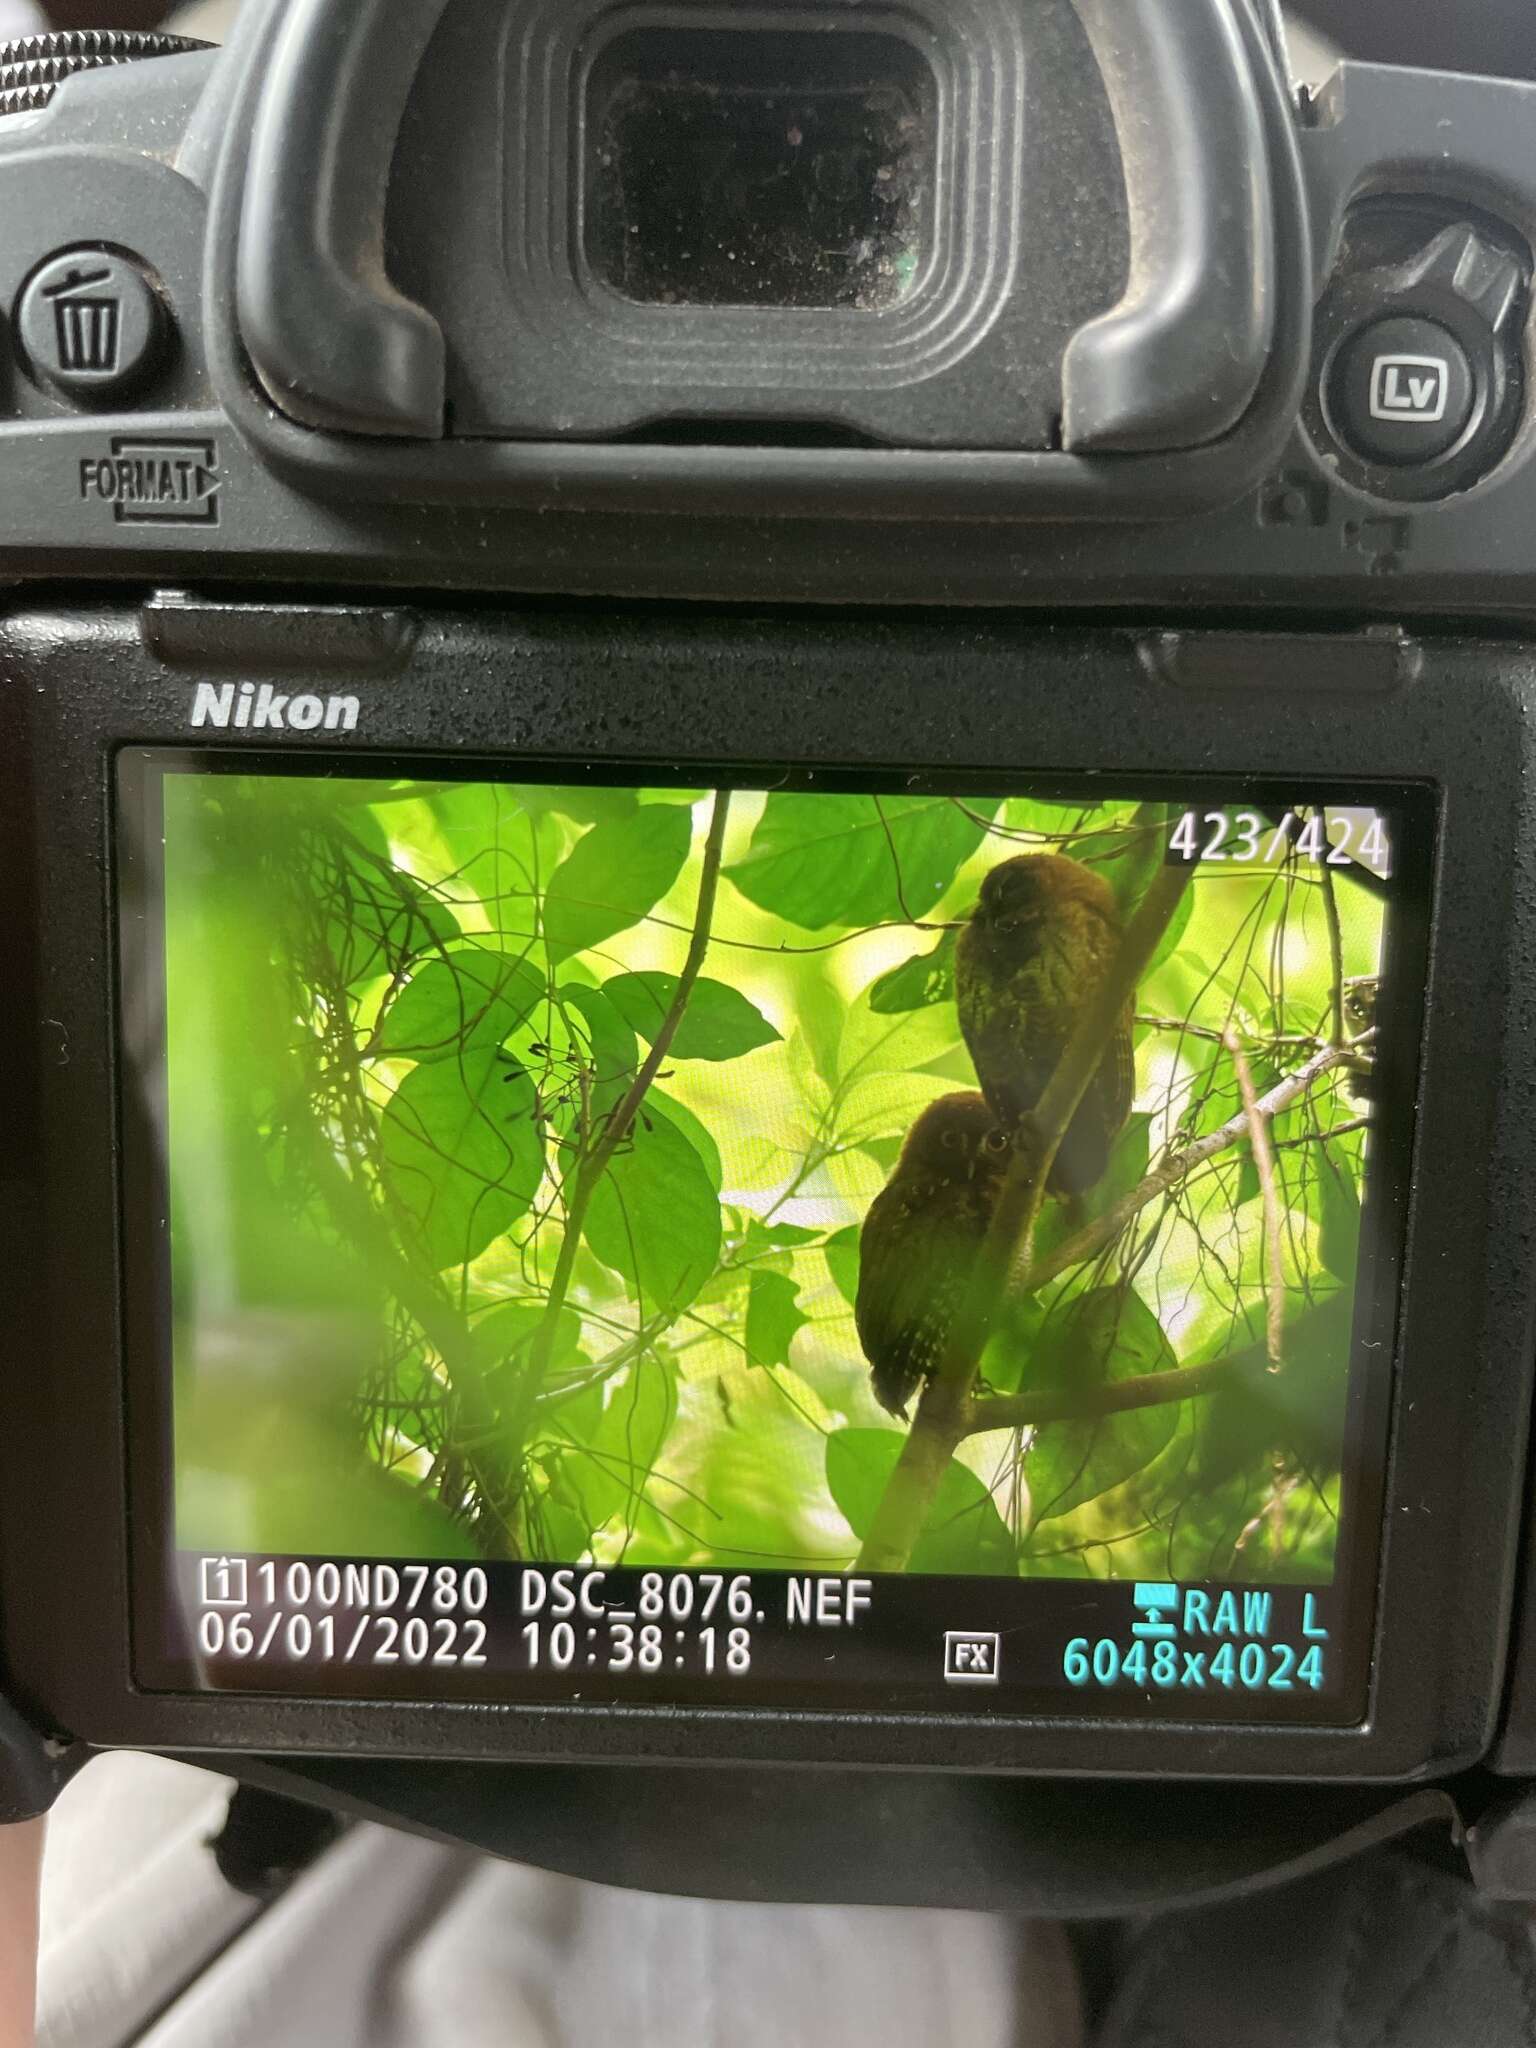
x=162 y=1662
x=547 y=681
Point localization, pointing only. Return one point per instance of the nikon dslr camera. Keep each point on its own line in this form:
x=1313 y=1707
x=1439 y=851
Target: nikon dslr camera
x=770 y=906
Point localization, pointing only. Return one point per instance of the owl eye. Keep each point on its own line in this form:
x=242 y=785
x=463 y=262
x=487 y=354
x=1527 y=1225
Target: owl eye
x=951 y=1137
x=996 y=1142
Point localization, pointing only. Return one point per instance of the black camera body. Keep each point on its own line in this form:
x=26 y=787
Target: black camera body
x=416 y=402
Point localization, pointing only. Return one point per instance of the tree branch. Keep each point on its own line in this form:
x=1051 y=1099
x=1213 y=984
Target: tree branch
x=1100 y=1234
x=1335 y=957
x=1155 y=1390
x=1344 y=1130
x=943 y=1415
x=1274 y=1222
x=620 y=1123
x=590 y=1170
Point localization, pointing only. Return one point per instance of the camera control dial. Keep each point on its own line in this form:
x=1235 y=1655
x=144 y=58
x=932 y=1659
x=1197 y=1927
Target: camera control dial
x=1419 y=382
x=33 y=68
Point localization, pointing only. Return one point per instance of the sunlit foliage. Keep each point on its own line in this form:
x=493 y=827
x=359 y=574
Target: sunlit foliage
x=425 y=1305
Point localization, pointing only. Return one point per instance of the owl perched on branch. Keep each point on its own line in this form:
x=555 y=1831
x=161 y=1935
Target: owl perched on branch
x=1038 y=945
x=920 y=1242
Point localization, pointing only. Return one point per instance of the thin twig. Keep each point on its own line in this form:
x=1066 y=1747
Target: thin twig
x=890 y=839
x=1269 y=1189
x=1213 y=1035
x=1336 y=956
x=1283 y=1485
x=589 y=1173
x=1346 y=1130
x=1178 y=1166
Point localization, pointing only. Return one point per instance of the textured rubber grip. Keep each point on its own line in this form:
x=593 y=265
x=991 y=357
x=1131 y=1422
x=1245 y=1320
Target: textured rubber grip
x=33 y=68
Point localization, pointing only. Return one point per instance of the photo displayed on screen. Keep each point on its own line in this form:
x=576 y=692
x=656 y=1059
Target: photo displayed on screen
x=679 y=1179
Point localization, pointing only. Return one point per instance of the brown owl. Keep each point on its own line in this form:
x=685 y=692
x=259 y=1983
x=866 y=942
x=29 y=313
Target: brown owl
x=920 y=1242
x=1037 y=946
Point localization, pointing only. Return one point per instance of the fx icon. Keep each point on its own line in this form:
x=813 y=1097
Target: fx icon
x=971 y=1658
x=1416 y=388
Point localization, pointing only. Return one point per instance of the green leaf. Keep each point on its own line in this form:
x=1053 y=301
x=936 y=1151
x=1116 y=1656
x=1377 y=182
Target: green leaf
x=885 y=1152
x=1299 y=1410
x=1010 y=1359
x=1039 y=815
x=1173 y=937
x=654 y=1218
x=486 y=843
x=1338 y=1241
x=1105 y=1337
x=683 y=1120
x=859 y=1467
x=463 y=1152
x=964 y=1534
x=718 y=1024
x=615 y=875
x=774 y=1318
x=1127 y=1169
x=576 y=1417
x=925 y=979
x=592 y=806
x=627 y=1442
x=842 y=1250
x=856 y=860
x=820 y=1012
x=787 y=1236
x=474 y=996
x=500 y=1335
x=752 y=1517
x=558 y=1534
x=501 y=1339
x=1128 y=1165
x=640 y=1412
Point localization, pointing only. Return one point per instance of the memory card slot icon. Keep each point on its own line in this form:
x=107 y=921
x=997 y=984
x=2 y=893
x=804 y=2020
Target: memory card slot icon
x=1154 y=1602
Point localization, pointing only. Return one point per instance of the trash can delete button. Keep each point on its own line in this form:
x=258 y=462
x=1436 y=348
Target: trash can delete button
x=89 y=322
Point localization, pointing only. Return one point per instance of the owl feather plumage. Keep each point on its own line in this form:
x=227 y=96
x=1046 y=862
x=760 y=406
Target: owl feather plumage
x=920 y=1243
x=1040 y=941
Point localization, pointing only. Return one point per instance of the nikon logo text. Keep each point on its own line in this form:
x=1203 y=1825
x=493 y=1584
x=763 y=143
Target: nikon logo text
x=247 y=709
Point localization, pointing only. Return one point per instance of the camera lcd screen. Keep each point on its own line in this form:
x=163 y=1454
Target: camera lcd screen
x=915 y=1244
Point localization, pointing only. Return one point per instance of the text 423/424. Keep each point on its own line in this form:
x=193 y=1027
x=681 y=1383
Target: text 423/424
x=1321 y=837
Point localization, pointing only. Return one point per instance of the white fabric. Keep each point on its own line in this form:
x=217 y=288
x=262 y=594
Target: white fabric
x=391 y=1942
x=20 y=18
x=210 y=20
x=133 y=1905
